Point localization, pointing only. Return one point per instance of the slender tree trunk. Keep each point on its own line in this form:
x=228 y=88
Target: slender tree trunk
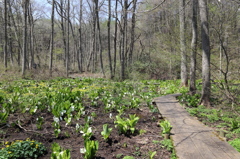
x=126 y=35
x=75 y=46
x=184 y=78
x=52 y=39
x=123 y=39
x=192 y=87
x=16 y=33
x=80 y=54
x=62 y=15
x=25 y=9
x=67 y=47
x=94 y=59
x=99 y=38
x=31 y=41
x=115 y=39
x=10 y=41
x=132 y=31
x=91 y=59
x=109 y=39
x=5 y=36
x=206 y=87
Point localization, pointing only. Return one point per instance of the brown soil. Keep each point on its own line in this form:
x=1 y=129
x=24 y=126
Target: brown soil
x=118 y=146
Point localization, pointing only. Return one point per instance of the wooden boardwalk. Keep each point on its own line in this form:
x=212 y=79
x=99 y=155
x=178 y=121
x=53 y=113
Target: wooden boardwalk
x=191 y=138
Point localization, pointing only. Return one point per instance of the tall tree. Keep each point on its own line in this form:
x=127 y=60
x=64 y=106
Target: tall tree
x=52 y=39
x=92 y=53
x=123 y=40
x=16 y=31
x=5 y=35
x=68 y=32
x=132 y=30
x=24 y=52
x=192 y=87
x=99 y=36
x=115 y=39
x=31 y=35
x=63 y=17
x=80 y=53
x=206 y=86
x=109 y=39
x=184 y=78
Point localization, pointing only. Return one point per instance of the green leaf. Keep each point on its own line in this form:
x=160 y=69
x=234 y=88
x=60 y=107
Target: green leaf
x=106 y=131
x=128 y=157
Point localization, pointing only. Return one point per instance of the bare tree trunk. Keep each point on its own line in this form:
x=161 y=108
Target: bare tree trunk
x=132 y=31
x=99 y=37
x=31 y=41
x=206 y=87
x=94 y=59
x=63 y=29
x=192 y=87
x=79 y=53
x=184 y=78
x=52 y=39
x=123 y=39
x=10 y=41
x=16 y=32
x=5 y=36
x=115 y=40
x=109 y=39
x=25 y=9
x=91 y=59
x=67 y=47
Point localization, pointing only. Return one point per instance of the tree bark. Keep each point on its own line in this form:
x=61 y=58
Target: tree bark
x=184 y=78
x=206 y=87
x=123 y=39
x=52 y=39
x=31 y=41
x=5 y=36
x=115 y=39
x=80 y=54
x=192 y=87
x=67 y=46
x=16 y=32
x=91 y=58
x=24 y=53
x=62 y=15
x=109 y=39
x=132 y=31
x=99 y=37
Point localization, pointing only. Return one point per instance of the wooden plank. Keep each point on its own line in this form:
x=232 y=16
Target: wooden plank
x=191 y=138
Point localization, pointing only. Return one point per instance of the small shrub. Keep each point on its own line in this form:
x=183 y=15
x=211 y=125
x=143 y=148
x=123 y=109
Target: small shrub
x=126 y=125
x=106 y=132
x=189 y=100
x=59 y=153
x=90 y=149
x=236 y=144
x=166 y=126
x=23 y=149
x=167 y=143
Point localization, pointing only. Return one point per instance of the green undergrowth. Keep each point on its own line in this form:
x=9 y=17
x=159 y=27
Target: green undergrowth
x=67 y=99
x=236 y=144
x=220 y=117
x=22 y=149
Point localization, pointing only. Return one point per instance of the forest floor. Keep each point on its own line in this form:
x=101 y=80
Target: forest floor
x=147 y=137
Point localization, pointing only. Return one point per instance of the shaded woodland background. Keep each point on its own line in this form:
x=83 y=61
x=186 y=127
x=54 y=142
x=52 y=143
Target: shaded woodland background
x=136 y=39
